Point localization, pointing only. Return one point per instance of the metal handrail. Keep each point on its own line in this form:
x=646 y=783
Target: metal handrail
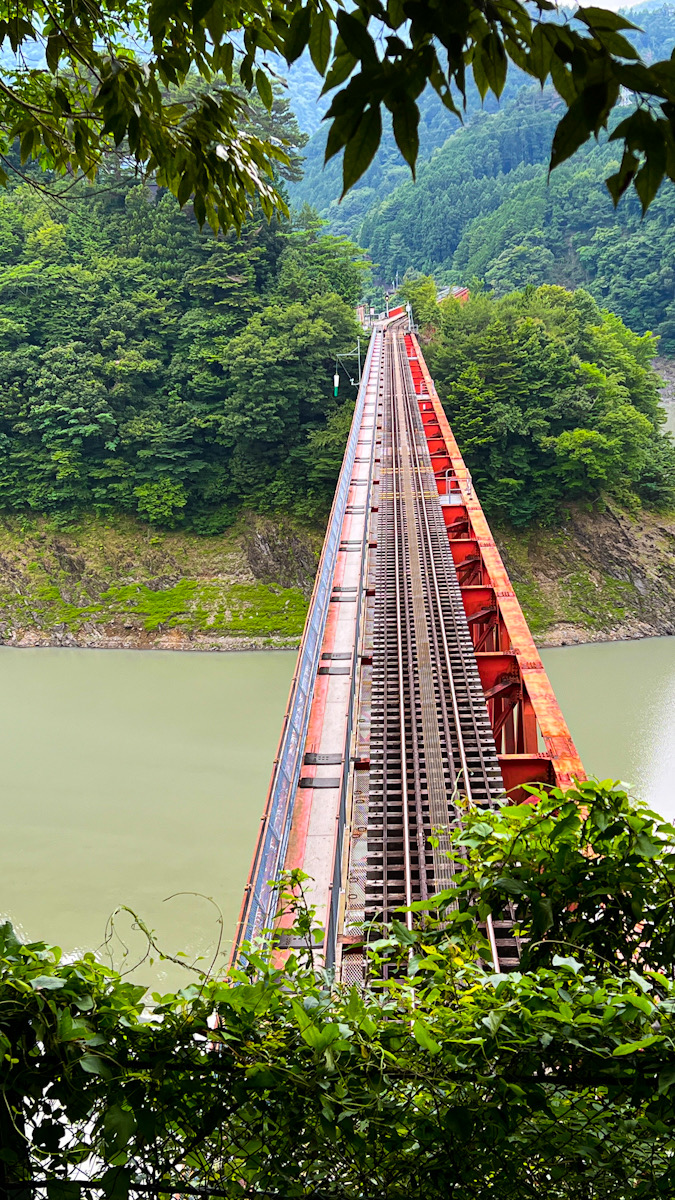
x=270 y=851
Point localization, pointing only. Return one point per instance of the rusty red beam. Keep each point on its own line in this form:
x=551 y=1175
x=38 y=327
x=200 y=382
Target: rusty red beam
x=532 y=736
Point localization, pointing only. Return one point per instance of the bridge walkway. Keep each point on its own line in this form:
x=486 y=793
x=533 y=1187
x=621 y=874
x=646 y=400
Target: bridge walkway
x=418 y=688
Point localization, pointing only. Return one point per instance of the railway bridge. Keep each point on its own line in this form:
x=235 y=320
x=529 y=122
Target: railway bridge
x=418 y=686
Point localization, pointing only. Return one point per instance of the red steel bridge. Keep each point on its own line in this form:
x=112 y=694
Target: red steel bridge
x=418 y=686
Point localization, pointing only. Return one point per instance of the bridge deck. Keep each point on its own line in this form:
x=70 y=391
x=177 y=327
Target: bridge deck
x=418 y=687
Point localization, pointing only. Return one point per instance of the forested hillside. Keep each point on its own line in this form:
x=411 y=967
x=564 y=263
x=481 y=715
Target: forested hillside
x=565 y=230
x=421 y=223
x=384 y=195
x=148 y=368
x=484 y=205
x=551 y=400
x=152 y=371
x=321 y=185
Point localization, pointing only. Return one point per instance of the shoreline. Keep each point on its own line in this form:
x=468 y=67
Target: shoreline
x=177 y=640
x=573 y=635
x=557 y=638
x=602 y=576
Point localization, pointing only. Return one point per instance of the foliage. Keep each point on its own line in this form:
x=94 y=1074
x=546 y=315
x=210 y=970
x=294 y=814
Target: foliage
x=304 y=86
x=438 y=1077
x=148 y=368
x=615 y=857
x=419 y=225
x=321 y=183
x=551 y=398
x=145 y=87
x=588 y=59
x=421 y=293
x=567 y=232
x=485 y=205
x=167 y=87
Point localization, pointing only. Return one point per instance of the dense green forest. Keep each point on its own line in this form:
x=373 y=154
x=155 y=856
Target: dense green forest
x=420 y=224
x=321 y=185
x=484 y=206
x=565 y=230
x=386 y=198
x=148 y=367
x=551 y=400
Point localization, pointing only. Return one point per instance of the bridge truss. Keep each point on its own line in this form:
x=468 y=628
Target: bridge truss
x=418 y=688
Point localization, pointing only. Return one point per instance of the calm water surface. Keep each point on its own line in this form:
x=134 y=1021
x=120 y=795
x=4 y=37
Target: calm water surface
x=129 y=776
x=619 y=701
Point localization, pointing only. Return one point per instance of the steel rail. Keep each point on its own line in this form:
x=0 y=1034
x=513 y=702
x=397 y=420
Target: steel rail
x=408 y=395
x=412 y=519
x=415 y=714
x=398 y=529
x=418 y=652
x=433 y=575
x=451 y=667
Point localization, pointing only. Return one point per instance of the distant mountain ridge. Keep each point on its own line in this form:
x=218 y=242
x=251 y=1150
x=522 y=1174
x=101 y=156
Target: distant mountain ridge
x=483 y=205
x=321 y=186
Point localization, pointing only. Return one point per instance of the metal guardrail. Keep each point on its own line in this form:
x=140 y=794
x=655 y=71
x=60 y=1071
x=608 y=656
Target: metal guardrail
x=334 y=905
x=273 y=841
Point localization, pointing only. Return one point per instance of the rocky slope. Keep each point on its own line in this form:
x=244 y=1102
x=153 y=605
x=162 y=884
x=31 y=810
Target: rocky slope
x=119 y=584
x=601 y=576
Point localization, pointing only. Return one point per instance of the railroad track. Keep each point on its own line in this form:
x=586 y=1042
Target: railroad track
x=431 y=744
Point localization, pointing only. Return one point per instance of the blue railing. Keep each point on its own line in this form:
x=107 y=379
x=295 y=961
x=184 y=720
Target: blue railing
x=271 y=850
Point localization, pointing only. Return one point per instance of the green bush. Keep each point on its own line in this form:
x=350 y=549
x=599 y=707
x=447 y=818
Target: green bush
x=438 y=1078
x=551 y=399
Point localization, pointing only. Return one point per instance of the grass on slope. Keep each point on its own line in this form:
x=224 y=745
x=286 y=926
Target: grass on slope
x=121 y=576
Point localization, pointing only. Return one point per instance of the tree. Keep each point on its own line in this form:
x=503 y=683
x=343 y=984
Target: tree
x=421 y=293
x=126 y=385
x=520 y=265
x=438 y=1078
x=558 y=401
x=96 y=93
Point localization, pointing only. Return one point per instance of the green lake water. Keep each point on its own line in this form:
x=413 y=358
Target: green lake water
x=127 y=777
x=130 y=776
x=619 y=701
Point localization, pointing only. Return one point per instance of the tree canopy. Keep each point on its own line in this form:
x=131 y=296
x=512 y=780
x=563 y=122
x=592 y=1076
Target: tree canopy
x=439 y=1078
x=147 y=367
x=113 y=80
x=551 y=399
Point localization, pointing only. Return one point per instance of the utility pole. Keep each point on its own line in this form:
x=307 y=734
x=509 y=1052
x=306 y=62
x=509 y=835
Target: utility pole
x=339 y=362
